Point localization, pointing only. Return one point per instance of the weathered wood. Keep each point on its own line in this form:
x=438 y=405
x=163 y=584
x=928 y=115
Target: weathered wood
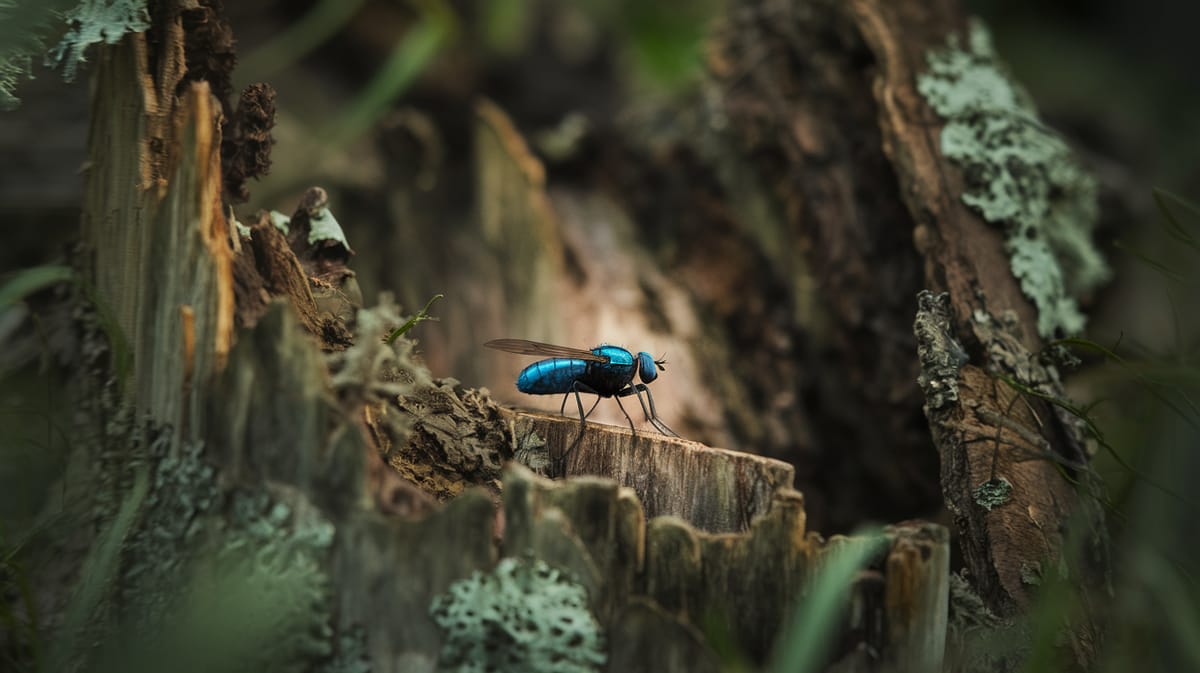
x=916 y=593
x=157 y=241
x=652 y=642
x=713 y=489
x=745 y=584
x=990 y=437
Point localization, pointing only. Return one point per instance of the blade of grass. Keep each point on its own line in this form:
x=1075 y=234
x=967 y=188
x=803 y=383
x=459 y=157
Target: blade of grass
x=412 y=54
x=1094 y=431
x=1142 y=257
x=804 y=643
x=313 y=29
x=1174 y=227
x=421 y=316
x=27 y=281
x=99 y=573
x=1151 y=386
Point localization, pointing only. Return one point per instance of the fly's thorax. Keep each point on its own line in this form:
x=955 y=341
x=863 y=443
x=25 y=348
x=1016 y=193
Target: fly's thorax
x=609 y=378
x=617 y=356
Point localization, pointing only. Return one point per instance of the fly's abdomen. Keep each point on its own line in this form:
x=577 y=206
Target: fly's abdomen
x=548 y=377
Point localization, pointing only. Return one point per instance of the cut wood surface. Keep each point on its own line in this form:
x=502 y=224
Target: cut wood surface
x=715 y=490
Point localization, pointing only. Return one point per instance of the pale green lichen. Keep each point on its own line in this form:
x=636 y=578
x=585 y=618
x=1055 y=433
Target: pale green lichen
x=524 y=616
x=92 y=22
x=323 y=227
x=25 y=25
x=242 y=230
x=1019 y=174
x=281 y=221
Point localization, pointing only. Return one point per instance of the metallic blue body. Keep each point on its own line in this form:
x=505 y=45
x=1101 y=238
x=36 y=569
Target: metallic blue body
x=557 y=376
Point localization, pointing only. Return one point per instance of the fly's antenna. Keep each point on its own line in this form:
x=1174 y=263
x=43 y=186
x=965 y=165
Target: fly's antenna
x=662 y=363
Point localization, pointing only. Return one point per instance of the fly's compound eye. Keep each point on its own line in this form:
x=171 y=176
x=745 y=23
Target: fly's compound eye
x=647 y=367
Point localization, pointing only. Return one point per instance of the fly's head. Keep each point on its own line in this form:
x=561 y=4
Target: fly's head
x=648 y=367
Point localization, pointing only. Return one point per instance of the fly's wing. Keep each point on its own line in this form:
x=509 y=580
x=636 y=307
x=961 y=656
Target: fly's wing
x=525 y=347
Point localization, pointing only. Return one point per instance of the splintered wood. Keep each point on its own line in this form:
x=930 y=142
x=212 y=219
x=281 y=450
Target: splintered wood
x=159 y=243
x=672 y=577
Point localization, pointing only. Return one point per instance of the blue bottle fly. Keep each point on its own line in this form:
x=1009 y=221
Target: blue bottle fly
x=604 y=371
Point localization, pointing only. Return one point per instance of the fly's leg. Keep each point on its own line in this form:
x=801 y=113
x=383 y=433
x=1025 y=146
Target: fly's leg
x=577 y=388
x=562 y=408
x=651 y=413
x=622 y=408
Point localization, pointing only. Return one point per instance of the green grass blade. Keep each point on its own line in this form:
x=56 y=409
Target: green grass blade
x=1142 y=257
x=27 y=281
x=315 y=28
x=804 y=643
x=1167 y=202
x=1094 y=431
x=98 y=575
x=421 y=316
x=413 y=53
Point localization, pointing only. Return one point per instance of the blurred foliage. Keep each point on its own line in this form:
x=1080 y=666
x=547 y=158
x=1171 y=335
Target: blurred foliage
x=317 y=25
x=660 y=43
x=663 y=40
x=411 y=55
x=25 y=28
x=1141 y=410
x=1117 y=75
x=804 y=644
x=26 y=282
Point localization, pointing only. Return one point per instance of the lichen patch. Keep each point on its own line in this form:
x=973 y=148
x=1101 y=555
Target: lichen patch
x=1018 y=174
x=523 y=617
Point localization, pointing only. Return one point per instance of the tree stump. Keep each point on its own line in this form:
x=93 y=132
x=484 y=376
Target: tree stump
x=253 y=430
